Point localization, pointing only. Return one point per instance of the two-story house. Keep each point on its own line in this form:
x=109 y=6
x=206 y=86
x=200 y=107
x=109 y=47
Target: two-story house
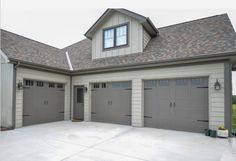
x=127 y=71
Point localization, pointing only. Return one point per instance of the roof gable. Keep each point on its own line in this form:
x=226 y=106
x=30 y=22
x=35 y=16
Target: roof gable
x=207 y=37
x=145 y=21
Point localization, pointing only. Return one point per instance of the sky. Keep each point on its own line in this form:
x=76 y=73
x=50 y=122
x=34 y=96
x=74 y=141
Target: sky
x=60 y=23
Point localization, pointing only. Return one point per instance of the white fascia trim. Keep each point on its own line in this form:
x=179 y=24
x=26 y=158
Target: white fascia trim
x=4 y=56
x=69 y=62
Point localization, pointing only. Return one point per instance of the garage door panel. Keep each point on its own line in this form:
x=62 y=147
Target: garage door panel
x=181 y=92
x=111 y=102
x=163 y=110
x=41 y=103
x=178 y=104
x=99 y=105
x=165 y=123
x=120 y=109
x=163 y=92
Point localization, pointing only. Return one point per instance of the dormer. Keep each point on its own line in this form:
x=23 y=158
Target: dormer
x=120 y=32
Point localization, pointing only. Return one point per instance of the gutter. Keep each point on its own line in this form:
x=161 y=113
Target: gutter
x=134 y=66
x=71 y=97
x=39 y=66
x=177 y=61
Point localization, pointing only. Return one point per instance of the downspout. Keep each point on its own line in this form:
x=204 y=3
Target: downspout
x=70 y=97
x=14 y=95
x=231 y=101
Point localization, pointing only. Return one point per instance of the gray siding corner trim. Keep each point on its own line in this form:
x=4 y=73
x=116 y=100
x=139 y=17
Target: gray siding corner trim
x=7 y=71
x=14 y=98
x=0 y=91
x=228 y=94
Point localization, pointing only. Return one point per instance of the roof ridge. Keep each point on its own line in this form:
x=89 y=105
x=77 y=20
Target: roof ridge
x=199 y=19
x=29 y=39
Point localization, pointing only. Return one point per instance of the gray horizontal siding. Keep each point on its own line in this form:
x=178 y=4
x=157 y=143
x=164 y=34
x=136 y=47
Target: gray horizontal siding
x=213 y=71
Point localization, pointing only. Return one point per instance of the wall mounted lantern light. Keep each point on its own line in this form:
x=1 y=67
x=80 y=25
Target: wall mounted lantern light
x=20 y=85
x=217 y=85
x=85 y=89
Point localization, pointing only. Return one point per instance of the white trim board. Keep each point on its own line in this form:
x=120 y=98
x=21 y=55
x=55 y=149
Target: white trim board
x=4 y=56
x=69 y=62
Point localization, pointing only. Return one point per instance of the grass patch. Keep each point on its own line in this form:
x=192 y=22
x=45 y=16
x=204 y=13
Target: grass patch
x=234 y=118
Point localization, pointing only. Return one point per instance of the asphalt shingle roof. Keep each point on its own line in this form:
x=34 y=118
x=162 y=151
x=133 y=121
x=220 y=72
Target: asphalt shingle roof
x=207 y=36
x=24 y=49
x=203 y=37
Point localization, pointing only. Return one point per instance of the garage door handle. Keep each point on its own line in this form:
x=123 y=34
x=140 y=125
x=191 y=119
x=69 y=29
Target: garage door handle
x=26 y=115
x=93 y=113
x=147 y=117
x=203 y=87
x=26 y=87
x=62 y=112
x=128 y=89
x=128 y=115
x=203 y=120
x=147 y=88
x=109 y=102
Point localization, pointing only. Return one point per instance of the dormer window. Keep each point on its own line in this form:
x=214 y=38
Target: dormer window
x=115 y=36
x=108 y=38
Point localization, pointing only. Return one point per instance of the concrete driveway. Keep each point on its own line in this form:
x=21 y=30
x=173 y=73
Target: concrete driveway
x=90 y=141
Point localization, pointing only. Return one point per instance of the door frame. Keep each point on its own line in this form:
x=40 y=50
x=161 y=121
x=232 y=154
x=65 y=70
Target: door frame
x=74 y=98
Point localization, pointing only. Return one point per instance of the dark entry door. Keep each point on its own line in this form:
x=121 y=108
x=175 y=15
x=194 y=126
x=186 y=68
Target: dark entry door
x=42 y=102
x=178 y=104
x=78 y=113
x=111 y=102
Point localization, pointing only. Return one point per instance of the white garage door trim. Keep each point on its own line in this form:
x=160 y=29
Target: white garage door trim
x=25 y=73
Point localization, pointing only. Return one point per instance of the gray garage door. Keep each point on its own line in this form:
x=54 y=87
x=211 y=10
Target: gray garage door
x=42 y=102
x=180 y=104
x=111 y=102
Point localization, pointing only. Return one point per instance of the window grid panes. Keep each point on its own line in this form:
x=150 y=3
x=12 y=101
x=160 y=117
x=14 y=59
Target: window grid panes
x=108 y=38
x=196 y=81
x=121 y=35
x=163 y=82
x=104 y=85
x=59 y=85
x=51 y=85
x=150 y=83
x=39 y=84
x=180 y=82
x=115 y=37
x=96 y=85
x=80 y=95
x=116 y=85
x=29 y=82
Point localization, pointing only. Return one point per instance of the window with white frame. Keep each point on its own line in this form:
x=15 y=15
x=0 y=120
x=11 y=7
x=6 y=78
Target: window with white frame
x=115 y=37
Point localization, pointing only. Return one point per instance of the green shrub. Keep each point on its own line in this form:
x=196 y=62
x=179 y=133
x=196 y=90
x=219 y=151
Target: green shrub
x=234 y=118
x=234 y=99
